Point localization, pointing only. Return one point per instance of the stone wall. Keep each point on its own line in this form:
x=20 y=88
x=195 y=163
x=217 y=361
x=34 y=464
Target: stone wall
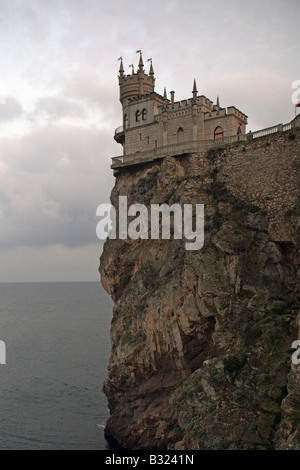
x=143 y=138
x=265 y=172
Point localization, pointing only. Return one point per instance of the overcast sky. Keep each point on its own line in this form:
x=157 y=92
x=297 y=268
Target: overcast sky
x=59 y=104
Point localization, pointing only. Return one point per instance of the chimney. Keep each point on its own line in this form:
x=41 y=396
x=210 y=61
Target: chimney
x=172 y=98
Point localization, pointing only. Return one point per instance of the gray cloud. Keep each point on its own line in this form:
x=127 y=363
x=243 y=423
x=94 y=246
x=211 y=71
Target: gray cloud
x=60 y=74
x=50 y=193
x=56 y=107
x=10 y=109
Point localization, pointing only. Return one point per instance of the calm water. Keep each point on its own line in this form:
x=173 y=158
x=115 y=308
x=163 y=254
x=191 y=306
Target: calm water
x=57 y=340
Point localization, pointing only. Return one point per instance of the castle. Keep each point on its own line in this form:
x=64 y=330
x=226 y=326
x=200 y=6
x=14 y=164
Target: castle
x=155 y=126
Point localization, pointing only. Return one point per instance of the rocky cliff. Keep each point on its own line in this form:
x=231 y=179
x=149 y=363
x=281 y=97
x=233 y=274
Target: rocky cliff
x=201 y=340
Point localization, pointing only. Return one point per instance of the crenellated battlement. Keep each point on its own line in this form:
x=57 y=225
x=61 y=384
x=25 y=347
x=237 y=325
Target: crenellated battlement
x=180 y=104
x=231 y=110
x=146 y=96
x=215 y=113
x=236 y=112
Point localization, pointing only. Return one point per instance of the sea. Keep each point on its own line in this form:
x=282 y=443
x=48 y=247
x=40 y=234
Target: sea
x=57 y=352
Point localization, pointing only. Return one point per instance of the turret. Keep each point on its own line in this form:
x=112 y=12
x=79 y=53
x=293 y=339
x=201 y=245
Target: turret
x=136 y=84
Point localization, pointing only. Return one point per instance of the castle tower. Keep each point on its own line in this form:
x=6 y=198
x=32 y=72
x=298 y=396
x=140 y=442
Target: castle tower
x=135 y=84
x=139 y=101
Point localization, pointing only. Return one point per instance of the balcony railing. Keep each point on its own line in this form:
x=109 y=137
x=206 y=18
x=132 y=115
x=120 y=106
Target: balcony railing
x=119 y=130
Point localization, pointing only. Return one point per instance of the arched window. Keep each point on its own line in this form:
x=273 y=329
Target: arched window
x=138 y=116
x=218 y=134
x=144 y=114
x=126 y=121
x=180 y=135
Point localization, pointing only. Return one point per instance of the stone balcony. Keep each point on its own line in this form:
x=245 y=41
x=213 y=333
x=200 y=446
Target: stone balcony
x=196 y=146
x=172 y=150
x=120 y=135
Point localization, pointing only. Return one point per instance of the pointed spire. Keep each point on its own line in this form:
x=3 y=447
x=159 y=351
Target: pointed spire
x=141 y=63
x=195 y=91
x=218 y=101
x=151 y=71
x=121 y=71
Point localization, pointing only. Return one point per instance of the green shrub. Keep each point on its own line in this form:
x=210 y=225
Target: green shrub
x=149 y=276
x=233 y=364
x=252 y=334
x=238 y=395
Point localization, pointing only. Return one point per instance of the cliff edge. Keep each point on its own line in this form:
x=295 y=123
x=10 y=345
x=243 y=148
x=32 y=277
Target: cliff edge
x=201 y=340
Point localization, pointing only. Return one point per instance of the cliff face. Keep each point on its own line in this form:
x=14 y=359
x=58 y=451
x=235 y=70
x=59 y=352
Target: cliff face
x=201 y=340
